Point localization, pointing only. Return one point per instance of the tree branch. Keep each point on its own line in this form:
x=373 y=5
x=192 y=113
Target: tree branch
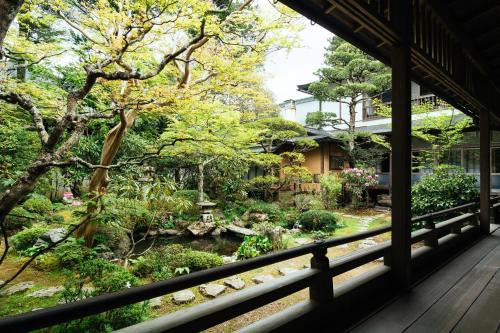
x=26 y=104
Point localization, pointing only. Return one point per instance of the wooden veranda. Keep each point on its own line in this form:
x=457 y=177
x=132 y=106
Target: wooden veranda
x=438 y=44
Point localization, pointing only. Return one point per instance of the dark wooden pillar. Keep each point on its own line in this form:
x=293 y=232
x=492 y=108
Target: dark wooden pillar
x=485 y=167
x=401 y=146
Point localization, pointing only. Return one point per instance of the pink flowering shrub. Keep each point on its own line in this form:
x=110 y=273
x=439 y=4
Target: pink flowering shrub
x=357 y=181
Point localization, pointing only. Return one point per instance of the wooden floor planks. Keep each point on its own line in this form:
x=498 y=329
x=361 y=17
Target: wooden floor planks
x=442 y=301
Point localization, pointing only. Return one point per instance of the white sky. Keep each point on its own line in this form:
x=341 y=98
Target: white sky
x=285 y=70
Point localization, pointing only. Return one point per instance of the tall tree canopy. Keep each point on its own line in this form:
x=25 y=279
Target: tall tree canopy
x=349 y=77
x=117 y=61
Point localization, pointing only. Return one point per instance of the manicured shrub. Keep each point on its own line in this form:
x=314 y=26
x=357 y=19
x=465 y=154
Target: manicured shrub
x=39 y=204
x=113 y=237
x=253 y=246
x=290 y=219
x=273 y=211
x=71 y=253
x=161 y=263
x=331 y=190
x=318 y=220
x=25 y=239
x=18 y=219
x=446 y=187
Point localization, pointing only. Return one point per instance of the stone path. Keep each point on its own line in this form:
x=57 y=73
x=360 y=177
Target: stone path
x=183 y=297
x=235 y=282
x=47 y=292
x=22 y=286
x=212 y=290
x=364 y=224
x=261 y=278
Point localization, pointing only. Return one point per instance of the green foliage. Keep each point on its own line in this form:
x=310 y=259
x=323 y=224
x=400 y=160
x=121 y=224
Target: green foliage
x=162 y=263
x=106 y=277
x=190 y=195
x=447 y=187
x=25 y=239
x=273 y=211
x=253 y=246
x=18 y=218
x=72 y=253
x=39 y=204
x=331 y=190
x=313 y=220
x=319 y=119
x=357 y=182
x=308 y=201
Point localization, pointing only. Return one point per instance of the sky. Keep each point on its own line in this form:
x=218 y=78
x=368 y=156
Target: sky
x=284 y=70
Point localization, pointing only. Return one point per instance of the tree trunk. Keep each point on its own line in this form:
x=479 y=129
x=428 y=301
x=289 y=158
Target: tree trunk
x=8 y=12
x=201 y=176
x=351 y=131
x=99 y=181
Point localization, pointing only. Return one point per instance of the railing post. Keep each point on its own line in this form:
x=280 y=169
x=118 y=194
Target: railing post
x=321 y=290
x=401 y=19
x=431 y=241
x=485 y=172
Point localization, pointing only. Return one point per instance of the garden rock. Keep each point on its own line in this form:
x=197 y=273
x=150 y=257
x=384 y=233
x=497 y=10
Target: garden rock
x=183 y=297
x=287 y=271
x=229 y=259
x=53 y=235
x=47 y=292
x=201 y=228
x=242 y=232
x=22 y=286
x=254 y=217
x=235 y=282
x=212 y=290
x=258 y=279
x=168 y=232
x=218 y=231
x=104 y=251
x=240 y=223
x=155 y=303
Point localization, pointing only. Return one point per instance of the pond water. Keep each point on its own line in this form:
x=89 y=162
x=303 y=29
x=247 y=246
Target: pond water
x=224 y=245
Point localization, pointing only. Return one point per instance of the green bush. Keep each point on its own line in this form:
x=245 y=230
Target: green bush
x=291 y=217
x=71 y=253
x=25 y=239
x=161 y=263
x=331 y=189
x=273 y=211
x=318 y=220
x=253 y=246
x=105 y=277
x=39 y=204
x=18 y=219
x=113 y=237
x=446 y=187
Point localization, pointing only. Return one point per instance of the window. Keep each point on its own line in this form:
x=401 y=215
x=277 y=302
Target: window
x=384 y=166
x=471 y=160
x=495 y=160
x=453 y=157
x=336 y=162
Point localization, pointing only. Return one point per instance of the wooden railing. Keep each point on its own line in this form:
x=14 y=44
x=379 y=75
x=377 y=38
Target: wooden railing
x=318 y=278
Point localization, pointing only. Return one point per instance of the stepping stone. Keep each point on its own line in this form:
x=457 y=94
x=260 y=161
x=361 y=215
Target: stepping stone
x=287 y=271
x=301 y=241
x=22 y=286
x=155 y=303
x=212 y=290
x=235 y=282
x=183 y=297
x=258 y=279
x=343 y=246
x=47 y=292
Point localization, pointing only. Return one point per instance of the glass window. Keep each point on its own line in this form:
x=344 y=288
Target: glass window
x=495 y=160
x=384 y=166
x=336 y=162
x=471 y=160
x=453 y=157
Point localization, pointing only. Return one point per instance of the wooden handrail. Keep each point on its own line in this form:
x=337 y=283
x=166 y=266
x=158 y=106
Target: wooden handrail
x=255 y=295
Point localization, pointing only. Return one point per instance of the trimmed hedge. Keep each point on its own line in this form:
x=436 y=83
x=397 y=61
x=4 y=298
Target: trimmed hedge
x=313 y=220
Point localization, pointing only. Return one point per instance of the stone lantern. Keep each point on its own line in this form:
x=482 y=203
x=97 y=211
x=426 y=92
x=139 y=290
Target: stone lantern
x=206 y=211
